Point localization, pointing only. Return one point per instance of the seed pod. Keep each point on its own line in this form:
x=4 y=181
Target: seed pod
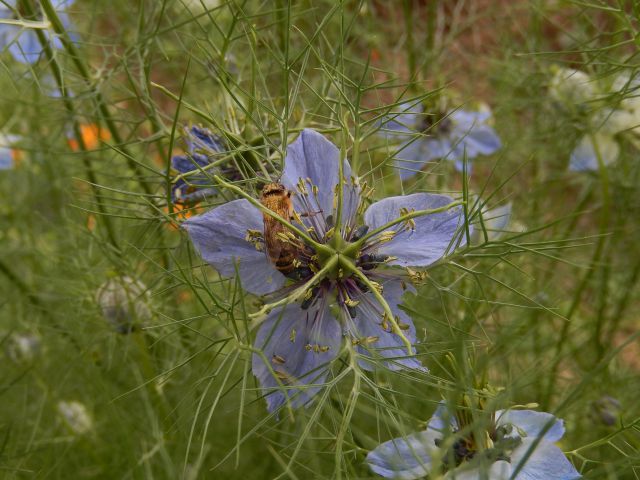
x=23 y=348
x=124 y=303
x=75 y=416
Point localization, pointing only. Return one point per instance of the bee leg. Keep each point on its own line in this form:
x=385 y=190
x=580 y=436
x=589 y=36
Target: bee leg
x=363 y=288
x=299 y=273
x=360 y=232
x=310 y=214
x=330 y=221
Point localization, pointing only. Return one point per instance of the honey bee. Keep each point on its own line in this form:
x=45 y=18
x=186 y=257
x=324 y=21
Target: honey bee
x=277 y=198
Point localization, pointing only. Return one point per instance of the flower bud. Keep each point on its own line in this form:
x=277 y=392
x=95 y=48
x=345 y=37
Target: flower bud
x=75 y=416
x=124 y=303
x=571 y=86
x=23 y=348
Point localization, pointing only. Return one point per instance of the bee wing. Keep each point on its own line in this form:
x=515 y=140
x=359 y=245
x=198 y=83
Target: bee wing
x=275 y=246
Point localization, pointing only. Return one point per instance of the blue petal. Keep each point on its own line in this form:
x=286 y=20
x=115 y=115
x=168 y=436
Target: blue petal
x=532 y=423
x=405 y=458
x=311 y=156
x=287 y=339
x=500 y=470
x=413 y=156
x=442 y=421
x=65 y=19
x=367 y=324
x=583 y=157
x=26 y=48
x=396 y=126
x=433 y=233
x=190 y=193
x=6 y=158
x=7 y=9
x=219 y=236
x=62 y=4
x=184 y=163
x=202 y=139
x=481 y=140
x=186 y=190
x=547 y=462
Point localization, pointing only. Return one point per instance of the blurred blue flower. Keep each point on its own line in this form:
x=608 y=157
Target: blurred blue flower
x=8 y=153
x=124 y=303
x=203 y=147
x=429 y=136
x=606 y=410
x=603 y=125
x=23 y=42
x=517 y=443
x=301 y=339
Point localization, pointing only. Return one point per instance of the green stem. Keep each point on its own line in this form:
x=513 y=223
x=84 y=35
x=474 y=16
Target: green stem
x=56 y=71
x=395 y=328
x=409 y=44
x=299 y=292
x=18 y=283
x=356 y=246
x=597 y=254
x=84 y=71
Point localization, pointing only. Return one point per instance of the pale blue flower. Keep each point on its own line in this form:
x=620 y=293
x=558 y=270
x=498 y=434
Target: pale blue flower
x=518 y=444
x=8 y=152
x=23 y=43
x=425 y=137
x=124 y=303
x=300 y=340
x=603 y=125
x=203 y=147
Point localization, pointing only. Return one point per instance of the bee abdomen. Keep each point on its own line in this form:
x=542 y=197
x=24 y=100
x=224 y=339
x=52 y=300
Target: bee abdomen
x=284 y=262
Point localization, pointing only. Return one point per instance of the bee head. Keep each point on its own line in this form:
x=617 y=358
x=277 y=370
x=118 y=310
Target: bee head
x=273 y=189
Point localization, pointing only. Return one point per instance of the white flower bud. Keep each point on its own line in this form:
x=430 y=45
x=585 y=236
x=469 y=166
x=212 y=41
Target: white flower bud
x=75 y=416
x=124 y=303
x=23 y=348
x=571 y=86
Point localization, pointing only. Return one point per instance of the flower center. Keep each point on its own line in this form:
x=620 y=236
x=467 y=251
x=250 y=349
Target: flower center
x=437 y=123
x=466 y=448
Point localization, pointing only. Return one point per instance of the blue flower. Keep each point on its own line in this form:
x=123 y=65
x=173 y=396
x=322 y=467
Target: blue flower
x=602 y=125
x=203 y=147
x=8 y=154
x=425 y=137
x=124 y=303
x=299 y=340
x=516 y=442
x=22 y=42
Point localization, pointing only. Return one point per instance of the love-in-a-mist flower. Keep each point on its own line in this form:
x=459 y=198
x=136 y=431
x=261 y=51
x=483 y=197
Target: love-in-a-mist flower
x=519 y=442
x=9 y=155
x=348 y=279
x=124 y=303
x=91 y=134
x=22 y=41
x=423 y=136
x=193 y=179
x=607 y=109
